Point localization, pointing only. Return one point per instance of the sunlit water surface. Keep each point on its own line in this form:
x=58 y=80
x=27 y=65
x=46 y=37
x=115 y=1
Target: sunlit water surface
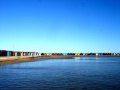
x=90 y=73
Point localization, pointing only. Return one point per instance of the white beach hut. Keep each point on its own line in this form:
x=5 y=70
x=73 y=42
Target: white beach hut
x=21 y=53
x=96 y=54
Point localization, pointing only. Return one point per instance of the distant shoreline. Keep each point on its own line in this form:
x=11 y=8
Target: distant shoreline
x=13 y=60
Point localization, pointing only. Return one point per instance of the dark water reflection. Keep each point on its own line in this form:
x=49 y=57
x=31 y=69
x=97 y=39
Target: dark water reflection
x=77 y=73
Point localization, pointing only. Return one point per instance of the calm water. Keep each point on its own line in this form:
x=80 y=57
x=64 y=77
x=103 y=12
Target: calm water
x=89 y=73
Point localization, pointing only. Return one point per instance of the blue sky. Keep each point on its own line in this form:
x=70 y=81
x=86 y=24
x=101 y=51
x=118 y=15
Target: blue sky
x=60 y=25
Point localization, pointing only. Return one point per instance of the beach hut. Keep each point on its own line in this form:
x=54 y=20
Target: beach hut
x=86 y=54
x=78 y=54
x=25 y=53
x=83 y=54
x=68 y=53
x=105 y=54
x=55 y=53
x=101 y=54
x=10 y=53
x=50 y=54
x=0 y=53
x=73 y=53
x=47 y=53
x=21 y=53
x=34 y=53
x=39 y=54
x=18 y=53
x=7 y=53
x=58 y=53
x=96 y=54
x=15 y=53
x=109 y=54
x=61 y=53
x=28 y=53
x=117 y=54
x=42 y=54
x=65 y=53
x=112 y=54
x=91 y=54
x=31 y=53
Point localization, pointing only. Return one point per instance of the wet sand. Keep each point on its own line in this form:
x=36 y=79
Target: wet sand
x=4 y=62
x=38 y=58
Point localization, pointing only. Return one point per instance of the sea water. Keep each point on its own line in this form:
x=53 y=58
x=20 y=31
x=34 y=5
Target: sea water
x=87 y=73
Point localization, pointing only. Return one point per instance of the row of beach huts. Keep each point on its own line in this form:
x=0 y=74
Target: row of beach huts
x=16 y=53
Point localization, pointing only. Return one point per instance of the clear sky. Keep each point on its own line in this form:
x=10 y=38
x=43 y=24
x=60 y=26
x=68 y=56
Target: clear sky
x=60 y=25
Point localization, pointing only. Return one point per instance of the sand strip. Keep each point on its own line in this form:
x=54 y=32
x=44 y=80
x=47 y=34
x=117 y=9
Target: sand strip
x=13 y=60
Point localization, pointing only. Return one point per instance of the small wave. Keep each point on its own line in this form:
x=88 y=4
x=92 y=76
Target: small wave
x=79 y=58
x=96 y=59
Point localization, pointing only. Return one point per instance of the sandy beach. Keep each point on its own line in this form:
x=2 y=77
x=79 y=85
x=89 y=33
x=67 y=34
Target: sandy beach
x=13 y=60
